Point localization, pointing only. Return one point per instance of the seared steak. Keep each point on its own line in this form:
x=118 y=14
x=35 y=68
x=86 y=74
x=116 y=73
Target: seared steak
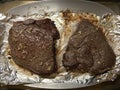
x=32 y=45
x=88 y=50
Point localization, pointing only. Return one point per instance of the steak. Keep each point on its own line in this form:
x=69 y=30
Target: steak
x=32 y=45
x=88 y=50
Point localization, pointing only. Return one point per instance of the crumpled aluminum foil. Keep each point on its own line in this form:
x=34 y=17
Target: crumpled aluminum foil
x=11 y=74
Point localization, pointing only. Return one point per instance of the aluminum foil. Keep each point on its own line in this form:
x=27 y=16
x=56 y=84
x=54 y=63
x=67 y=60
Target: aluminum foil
x=12 y=74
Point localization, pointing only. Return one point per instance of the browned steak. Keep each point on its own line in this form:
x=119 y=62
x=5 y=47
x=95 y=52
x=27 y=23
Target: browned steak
x=32 y=45
x=88 y=50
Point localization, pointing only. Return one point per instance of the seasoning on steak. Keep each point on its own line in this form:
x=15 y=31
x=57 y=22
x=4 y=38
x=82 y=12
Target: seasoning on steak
x=32 y=45
x=88 y=50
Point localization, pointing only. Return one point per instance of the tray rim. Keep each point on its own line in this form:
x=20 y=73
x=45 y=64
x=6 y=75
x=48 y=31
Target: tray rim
x=35 y=2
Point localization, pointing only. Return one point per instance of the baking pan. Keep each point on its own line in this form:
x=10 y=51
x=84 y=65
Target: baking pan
x=58 y=5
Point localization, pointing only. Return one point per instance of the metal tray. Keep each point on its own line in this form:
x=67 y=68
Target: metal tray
x=55 y=5
x=58 y=5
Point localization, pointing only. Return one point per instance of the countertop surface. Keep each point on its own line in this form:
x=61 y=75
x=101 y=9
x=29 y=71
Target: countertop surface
x=115 y=85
